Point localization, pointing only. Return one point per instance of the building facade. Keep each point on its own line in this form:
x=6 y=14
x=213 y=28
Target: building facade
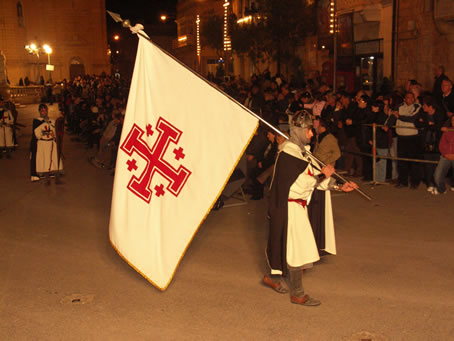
x=188 y=46
x=376 y=40
x=74 y=29
x=397 y=39
x=424 y=37
x=363 y=41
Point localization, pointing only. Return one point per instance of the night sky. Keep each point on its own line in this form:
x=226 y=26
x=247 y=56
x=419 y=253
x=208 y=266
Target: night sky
x=143 y=11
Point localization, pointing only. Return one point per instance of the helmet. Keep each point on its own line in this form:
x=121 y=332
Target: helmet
x=301 y=119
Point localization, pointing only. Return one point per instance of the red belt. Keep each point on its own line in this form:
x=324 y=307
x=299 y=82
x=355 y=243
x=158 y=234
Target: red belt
x=298 y=201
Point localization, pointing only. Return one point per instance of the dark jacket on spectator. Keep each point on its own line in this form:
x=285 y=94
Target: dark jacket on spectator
x=431 y=133
x=382 y=137
x=436 y=91
x=356 y=115
x=448 y=102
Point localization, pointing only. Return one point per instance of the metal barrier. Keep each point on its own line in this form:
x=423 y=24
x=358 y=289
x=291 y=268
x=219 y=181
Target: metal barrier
x=374 y=150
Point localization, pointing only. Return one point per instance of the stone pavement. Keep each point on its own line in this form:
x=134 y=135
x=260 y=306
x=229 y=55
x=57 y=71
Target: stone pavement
x=60 y=279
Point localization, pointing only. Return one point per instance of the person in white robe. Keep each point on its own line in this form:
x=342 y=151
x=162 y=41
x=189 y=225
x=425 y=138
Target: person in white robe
x=45 y=158
x=6 y=131
x=291 y=242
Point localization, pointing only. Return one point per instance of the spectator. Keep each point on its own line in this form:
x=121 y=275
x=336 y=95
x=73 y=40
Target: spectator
x=331 y=113
x=448 y=97
x=439 y=78
x=389 y=108
x=351 y=126
x=255 y=100
x=431 y=122
x=408 y=142
x=367 y=117
x=382 y=139
x=264 y=168
x=446 y=159
x=108 y=141
x=269 y=108
x=326 y=147
x=254 y=153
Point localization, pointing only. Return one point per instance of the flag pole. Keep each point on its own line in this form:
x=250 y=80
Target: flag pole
x=137 y=30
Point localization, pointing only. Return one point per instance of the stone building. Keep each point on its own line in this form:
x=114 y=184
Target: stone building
x=74 y=29
x=397 y=39
x=364 y=41
x=376 y=39
x=198 y=55
x=424 y=38
x=188 y=46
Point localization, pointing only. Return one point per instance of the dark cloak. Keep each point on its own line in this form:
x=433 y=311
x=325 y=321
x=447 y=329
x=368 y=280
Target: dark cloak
x=287 y=170
x=316 y=212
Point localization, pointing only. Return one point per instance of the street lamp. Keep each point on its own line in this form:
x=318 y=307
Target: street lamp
x=36 y=50
x=33 y=49
x=49 y=67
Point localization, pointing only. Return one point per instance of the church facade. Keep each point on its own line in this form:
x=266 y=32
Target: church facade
x=75 y=30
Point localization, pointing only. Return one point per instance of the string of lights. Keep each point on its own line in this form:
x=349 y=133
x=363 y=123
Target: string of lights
x=332 y=16
x=199 y=48
x=227 y=41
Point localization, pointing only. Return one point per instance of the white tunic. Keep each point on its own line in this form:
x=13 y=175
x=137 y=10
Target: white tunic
x=46 y=153
x=6 y=129
x=301 y=245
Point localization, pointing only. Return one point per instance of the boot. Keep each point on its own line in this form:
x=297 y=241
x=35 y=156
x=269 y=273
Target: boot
x=296 y=282
x=297 y=295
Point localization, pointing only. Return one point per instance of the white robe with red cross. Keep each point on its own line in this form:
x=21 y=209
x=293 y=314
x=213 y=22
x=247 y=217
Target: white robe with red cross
x=301 y=244
x=46 y=153
x=6 y=129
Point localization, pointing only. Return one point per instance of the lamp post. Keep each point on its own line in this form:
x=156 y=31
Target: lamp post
x=49 y=67
x=36 y=50
x=33 y=49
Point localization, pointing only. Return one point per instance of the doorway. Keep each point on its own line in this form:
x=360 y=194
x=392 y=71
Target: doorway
x=369 y=72
x=76 y=68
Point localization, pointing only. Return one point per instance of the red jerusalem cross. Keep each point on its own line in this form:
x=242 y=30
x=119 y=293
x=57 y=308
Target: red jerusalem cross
x=131 y=165
x=155 y=162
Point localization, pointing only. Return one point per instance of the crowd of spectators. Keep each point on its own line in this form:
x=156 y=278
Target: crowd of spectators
x=410 y=123
x=94 y=108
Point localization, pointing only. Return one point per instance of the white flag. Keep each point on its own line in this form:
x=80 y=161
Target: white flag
x=181 y=141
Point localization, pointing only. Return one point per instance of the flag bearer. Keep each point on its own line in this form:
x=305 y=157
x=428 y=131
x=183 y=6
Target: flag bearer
x=291 y=243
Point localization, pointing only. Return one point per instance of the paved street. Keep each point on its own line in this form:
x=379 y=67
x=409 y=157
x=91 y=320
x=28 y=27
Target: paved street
x=60 y=279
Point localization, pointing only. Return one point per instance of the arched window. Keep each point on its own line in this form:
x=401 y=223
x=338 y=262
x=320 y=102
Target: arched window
x=20 y=14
